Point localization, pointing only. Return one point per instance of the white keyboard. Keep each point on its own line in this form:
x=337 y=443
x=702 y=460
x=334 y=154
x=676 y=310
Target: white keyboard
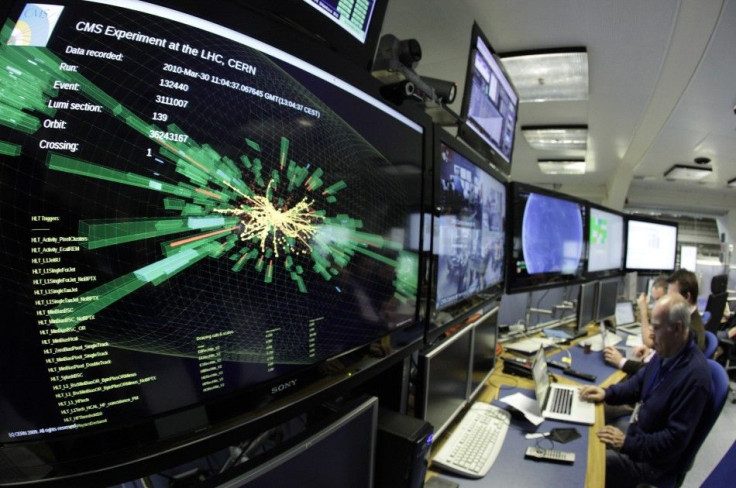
x=474 y=444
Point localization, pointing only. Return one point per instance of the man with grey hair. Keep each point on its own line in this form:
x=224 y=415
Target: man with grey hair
x=670 y=394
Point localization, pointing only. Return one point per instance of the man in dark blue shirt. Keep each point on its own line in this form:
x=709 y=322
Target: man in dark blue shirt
x=670 y=394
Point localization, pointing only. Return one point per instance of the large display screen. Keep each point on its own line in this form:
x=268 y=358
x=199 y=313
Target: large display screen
x=469 y=227
x=547 y=238
x=187 y=213
x=353 y=16
x=605 y=241
x=650 y=245
x=490 y=104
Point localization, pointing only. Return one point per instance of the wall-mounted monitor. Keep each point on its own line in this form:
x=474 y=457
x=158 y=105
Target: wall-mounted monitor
x=605 y=242
x=348 y=28
x=469 y=229
x=651 y=245
x=194 y=223
x=490 y=104
x=547 y=238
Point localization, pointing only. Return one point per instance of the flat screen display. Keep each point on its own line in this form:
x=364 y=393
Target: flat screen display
x=605 y=241
x=607 y=298
x=354 y=16
x=484 y=350
x=587 y=304
x=188 y=213
x=490 y=104
x=547 y=238
x=469 y=226
x=445 y=376
x=650 y=245
x=344 y=449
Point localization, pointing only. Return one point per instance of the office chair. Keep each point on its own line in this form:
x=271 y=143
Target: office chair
x=719 y=390
x=711 y=343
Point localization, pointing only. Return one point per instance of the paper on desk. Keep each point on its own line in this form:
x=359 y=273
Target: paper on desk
x=525 y=405
x=633 y=340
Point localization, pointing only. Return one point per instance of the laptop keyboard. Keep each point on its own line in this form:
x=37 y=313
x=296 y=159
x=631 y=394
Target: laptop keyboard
x=561 y=401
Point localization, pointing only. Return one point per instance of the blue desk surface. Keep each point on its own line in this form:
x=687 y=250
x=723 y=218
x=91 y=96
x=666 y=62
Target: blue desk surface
x=591 y=363
x=511 y=469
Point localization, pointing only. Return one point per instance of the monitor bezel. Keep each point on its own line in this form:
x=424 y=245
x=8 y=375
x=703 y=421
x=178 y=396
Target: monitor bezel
x=464 y=131
x=242 y=412
x=426 y=358
x=599 y=300
x=580 y=327
x=646 y=270
x=466 y=306
x=545 y=280
x=603 y=273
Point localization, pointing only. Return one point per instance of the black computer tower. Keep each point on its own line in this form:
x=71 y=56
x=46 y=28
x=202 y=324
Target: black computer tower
x=402 y=447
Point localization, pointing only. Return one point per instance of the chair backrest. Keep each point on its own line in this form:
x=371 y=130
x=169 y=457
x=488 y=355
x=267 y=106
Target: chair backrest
x=711 y=343
x=719 y=393
x=716 y=305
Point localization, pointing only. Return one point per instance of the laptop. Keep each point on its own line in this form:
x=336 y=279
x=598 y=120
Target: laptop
x=625 y=318
x=601 y=340
x=556 y=401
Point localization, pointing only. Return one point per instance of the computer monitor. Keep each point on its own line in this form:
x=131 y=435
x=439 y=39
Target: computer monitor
x=651 y=245
x=547 y=240
x=444 y=379
x=469 y=225
x=605 y=242
x=341 y=447
x=194 y=223
x=490 y=104
x=348 y=28
x=587 y=304
x=607 y=298
x=484 y=350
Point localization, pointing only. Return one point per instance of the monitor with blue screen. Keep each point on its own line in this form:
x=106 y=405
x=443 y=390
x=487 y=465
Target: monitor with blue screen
x=547 y=239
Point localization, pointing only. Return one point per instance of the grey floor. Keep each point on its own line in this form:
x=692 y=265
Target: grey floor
x=715 y=446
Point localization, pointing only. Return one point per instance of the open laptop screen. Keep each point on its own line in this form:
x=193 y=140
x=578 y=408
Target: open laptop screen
x=624 y=313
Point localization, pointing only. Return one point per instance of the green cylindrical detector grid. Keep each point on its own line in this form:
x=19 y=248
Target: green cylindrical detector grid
x=109 y=233
x=67 y=164
x=299 y=282
x=283 y=153
x=253 y=145
x=90 y=303
x=8 y=148
x=171 y=247
x=315 y=180
x=18 y=120
x=335 y=187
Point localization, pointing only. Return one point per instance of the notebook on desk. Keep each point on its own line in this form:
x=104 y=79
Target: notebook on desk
x=556 y=401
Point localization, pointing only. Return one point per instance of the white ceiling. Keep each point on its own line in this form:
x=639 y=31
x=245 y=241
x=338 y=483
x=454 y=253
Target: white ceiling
x=662 y=77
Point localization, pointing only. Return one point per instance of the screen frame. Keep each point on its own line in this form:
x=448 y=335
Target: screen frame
x=602 y=273
x=543 y=280
x=650 y=270
x=242 y=412
x=467 y=133
x=602 y=284
x=465 y=307
x=595 y=284
x=427 y=357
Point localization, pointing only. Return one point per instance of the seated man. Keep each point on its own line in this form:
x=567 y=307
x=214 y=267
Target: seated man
x=671 y=394
x=685 y=283
x=643 y=353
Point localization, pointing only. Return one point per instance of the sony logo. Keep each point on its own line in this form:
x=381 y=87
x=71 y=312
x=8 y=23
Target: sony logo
x=283 y=386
